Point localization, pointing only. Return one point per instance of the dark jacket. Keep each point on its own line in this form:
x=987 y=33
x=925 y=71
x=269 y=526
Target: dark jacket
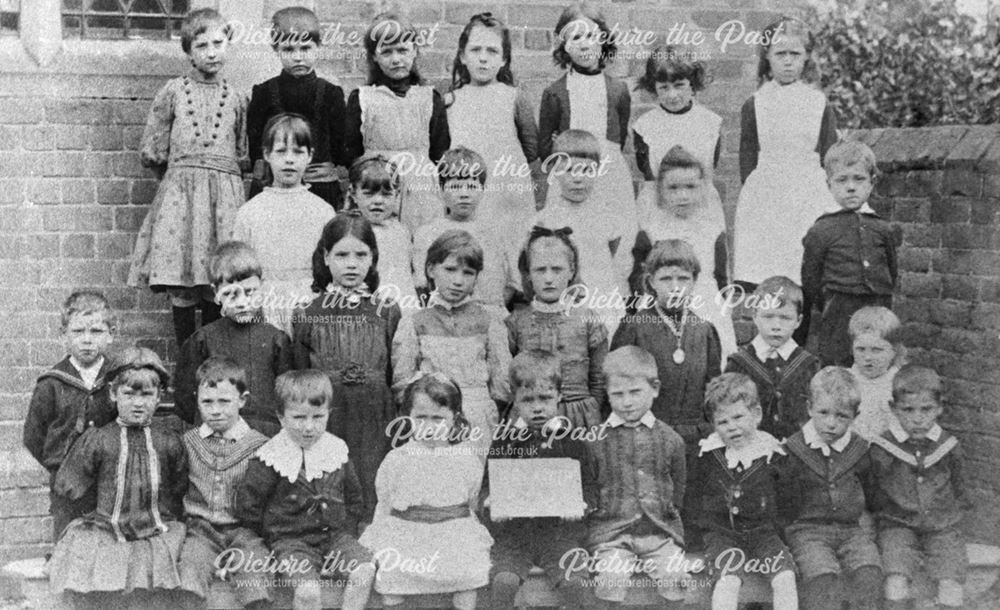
x=553 y=115
x=819 y=489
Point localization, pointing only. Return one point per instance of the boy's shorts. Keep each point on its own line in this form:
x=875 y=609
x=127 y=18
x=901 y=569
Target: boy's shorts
x=202 y=555
x=334 y=556
x=654 y=554
x=944 y=552
x=831 y=548
x=729 y=552
x=519 y=545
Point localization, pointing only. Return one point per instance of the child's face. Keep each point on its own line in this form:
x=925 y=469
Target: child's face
x=453 y=279
x=288 y=162
x=736 y=423
x=787 y=57
x=396 y=60
x=576 y=176
x=137 y=401
x=873 y=355
x=671 y=285
x=631 y=397
x=830 y=417
x=537 y=404
x=220 y=405
x=850 y=185
x=208 y=50
x=239 y=300
x=776 y=324
x=298 y=57
x=432 y=423
x=550 y=270
x=681 y=191
x=304 y=422
x=483 y=54
x=674 y=95
x=581 y=39
x=377 y=205
x=462 y=197
x=917 y=413
x=87 y=337
x=349 y=261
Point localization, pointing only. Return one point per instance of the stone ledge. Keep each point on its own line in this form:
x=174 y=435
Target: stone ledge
x=969 y=147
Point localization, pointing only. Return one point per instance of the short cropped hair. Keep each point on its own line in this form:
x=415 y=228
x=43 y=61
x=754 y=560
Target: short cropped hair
x=836 y=383
x=671 y=253
x=679 y=157
x=532 y=368
x=728 y=389
x=305 y=385
x=876 y=320
x=87 y=302
x=848 y=153
x=197 y=22
x=913 y=379
x=295 y=24
x=460 y=164
x=778 y=291
x=577 y=143
x=233 y=261
x=218 y=369
x=287 y=126
x=631 y=362
x=455 y=242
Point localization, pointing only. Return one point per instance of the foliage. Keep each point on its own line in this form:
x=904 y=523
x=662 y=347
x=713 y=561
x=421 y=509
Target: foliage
x=909 y=63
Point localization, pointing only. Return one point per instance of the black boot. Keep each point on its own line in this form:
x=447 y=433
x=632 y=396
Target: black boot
x=184 y=323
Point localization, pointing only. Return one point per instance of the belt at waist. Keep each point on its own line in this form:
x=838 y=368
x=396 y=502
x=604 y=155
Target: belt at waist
x=207 y=161
x=432 y=514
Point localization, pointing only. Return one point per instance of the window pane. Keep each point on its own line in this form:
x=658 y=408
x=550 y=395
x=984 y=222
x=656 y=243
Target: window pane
x=121 y=18
x=9 y=16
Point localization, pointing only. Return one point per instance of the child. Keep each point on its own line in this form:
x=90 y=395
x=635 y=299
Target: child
x=878 y=354
x=482 y=85
x=375 y=190
x=554 y=323
x=396 y=114
x=779 y=368
x=920 y=498
x=301 y=494
x=682 y=212
x=427 y=494
x=296 y=38
x=785 y=129
x=131 y=539
x=218 y=453
x=827 y=483
x=587 y=99
x=282 y=222
x=195 y=139
x=641 y=474
x=457 y=337
x=737 y=474
x=604 y=238
x=347 y=333
x=462 y=174
x=675 y=77
x=850 y=255
x=535 y=429
x=258 y=347
x=72 y=396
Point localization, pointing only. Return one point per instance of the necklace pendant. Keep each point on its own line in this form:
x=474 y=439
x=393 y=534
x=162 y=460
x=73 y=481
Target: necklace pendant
x=678 y=356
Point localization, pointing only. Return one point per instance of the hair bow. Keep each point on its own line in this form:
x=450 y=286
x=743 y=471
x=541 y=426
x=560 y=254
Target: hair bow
x=484 y=16
x=539 y=231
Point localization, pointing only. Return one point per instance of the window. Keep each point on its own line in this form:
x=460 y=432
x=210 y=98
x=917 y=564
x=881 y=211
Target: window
x=10 y=11
x=122 y=18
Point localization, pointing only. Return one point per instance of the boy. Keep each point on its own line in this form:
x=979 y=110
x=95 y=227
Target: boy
x=302 y=495
x=827 y=483
x=242 y=335
x=850 y=255
x=534 y=429
x=641 y=473
x=72 y=396
x=296 y=37
x=218 y=453
x=920 y=497
x=738 y=471
x=777 y=365
x=877 y=345
x=462 y=173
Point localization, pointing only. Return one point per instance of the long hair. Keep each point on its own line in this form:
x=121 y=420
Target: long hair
x=389 y=28
x=343 y=225
x=785 y=26
x=459 y=73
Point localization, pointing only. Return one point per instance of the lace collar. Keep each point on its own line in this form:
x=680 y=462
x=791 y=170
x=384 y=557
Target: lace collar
x=288 y=459
x=764 y=445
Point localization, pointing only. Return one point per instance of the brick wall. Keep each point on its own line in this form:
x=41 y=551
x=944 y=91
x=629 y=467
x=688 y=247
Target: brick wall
x=941 y=189
x=73 y=194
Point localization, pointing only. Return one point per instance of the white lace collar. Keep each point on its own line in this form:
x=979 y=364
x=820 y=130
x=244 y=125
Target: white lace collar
x=559 y=306
x=287 y=458
x=437 y=299
x=763 y=445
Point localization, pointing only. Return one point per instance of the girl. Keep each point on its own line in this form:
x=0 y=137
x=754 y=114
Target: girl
x=457 y=337
x=282 y=222
x=375 y=191
x=428 y=490
x=396 y=114
x=677 y=120
x=195 y=138
x=588 y=99
x=346 y=333
x=553 y=323
x=786 y=128
x=131 y=540
x=878 y=354
x=482 y=85
x=682 y=212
